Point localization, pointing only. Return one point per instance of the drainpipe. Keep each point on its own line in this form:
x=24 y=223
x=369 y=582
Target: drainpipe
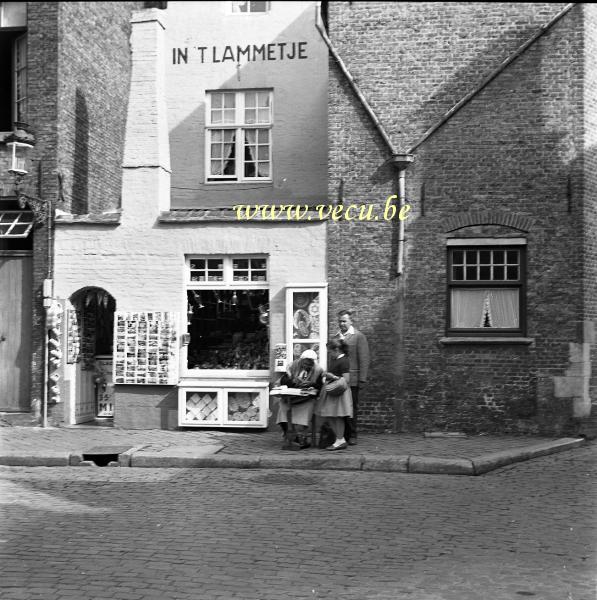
x=401 y=162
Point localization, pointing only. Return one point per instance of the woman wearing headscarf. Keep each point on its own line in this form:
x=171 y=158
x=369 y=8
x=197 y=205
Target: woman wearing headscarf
x=303 y=373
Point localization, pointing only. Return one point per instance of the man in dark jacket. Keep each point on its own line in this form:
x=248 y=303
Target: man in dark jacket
x=358 y=353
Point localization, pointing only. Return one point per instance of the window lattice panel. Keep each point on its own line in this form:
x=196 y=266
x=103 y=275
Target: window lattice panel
x=202 y=406
x=243 y=406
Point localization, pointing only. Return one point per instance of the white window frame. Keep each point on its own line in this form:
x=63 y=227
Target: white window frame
x=322 y=290
x=222 y=389
x=15 y=223
x=239 y=127
x=227 y=283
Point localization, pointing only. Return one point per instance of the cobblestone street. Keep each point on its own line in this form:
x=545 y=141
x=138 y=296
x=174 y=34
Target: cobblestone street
x=528 y=530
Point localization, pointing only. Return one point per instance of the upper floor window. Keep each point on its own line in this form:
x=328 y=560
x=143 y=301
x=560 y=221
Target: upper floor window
x=13 y=75
x=486 y=290
x=238 y=136
x=13 y=14
x=250 y=7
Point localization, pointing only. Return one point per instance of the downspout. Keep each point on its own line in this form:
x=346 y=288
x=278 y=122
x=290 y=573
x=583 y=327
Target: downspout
x=401 y=162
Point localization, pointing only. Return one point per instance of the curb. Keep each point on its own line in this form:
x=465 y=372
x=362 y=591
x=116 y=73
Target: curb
x=490 y=462
x=135 y=457
x=47 y=459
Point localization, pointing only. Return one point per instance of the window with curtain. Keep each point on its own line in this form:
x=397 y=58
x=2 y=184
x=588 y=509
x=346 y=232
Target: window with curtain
x=238 y=135
x=486 y=290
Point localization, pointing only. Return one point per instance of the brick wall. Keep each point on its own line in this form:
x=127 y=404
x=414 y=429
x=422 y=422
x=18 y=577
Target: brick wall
x=93 y=85
x=590 y=183
x=42 y=50
x=78 y=60
x=515 y=147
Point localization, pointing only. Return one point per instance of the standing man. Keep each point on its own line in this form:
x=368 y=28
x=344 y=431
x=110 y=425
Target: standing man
x=358 y=353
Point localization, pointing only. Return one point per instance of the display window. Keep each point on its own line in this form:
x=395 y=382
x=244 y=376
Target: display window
x=227 y=314
x=224 y=405
x=306 y=325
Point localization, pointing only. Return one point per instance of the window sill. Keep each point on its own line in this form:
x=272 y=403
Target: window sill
x=111 y=218
x=265 y=182
x=452 y=341
x=197 y=215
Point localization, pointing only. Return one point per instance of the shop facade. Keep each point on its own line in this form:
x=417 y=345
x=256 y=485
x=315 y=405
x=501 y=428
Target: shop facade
x=177 y=312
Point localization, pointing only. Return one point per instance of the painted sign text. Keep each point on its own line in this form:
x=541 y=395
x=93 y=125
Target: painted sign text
x=238 y=54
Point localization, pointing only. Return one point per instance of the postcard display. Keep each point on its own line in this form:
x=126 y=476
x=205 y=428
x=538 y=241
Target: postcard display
x=145 y=348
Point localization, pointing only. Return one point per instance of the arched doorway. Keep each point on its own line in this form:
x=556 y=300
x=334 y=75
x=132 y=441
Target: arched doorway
x=90 y=350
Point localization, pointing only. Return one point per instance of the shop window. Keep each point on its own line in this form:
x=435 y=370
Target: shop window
x=250 y=7
x=238 y=136
x=227 y=313
x=306 y=325
x=486 y=290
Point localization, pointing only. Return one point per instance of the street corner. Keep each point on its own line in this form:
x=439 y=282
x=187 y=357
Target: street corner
x=495 y=460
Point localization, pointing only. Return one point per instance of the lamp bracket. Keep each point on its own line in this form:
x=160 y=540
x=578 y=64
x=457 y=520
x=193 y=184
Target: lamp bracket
x=38 y=206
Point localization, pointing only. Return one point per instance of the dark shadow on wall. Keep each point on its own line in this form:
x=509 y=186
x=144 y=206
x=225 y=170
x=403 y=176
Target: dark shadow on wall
x=511 y=148
x=514 y=148
x=417 y=90
x=466 y=79
x=299 y=175
x=80 y=190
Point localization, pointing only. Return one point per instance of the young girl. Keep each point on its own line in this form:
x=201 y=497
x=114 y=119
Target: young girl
x=333 y=409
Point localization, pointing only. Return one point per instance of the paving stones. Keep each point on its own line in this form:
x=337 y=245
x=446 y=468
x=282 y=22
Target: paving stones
x=178 y=534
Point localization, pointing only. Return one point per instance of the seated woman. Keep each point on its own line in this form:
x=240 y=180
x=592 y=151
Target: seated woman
x=330 y=408
x=303 y=373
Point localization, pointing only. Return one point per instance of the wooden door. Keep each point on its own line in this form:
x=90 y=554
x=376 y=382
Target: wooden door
x=15 y=332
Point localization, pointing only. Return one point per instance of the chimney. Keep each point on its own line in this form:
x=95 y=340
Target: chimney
x=146 y=165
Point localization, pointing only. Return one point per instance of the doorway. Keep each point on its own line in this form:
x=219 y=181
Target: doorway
x=15 y=330
x=90 y=340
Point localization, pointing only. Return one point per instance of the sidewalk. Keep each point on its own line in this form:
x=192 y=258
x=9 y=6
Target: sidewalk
x=402 y=453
